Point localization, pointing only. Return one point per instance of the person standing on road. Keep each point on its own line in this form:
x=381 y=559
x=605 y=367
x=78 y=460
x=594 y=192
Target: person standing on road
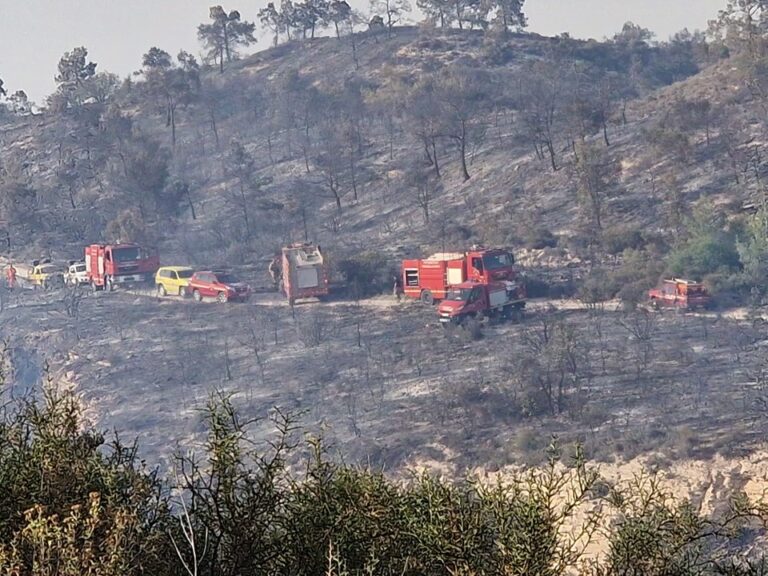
x=397 y=288
x=275 y=271
x=11 y=276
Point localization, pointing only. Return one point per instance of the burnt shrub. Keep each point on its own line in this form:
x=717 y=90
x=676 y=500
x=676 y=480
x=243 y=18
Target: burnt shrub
x=364 y=274
x=538 y=238
x=536 y=287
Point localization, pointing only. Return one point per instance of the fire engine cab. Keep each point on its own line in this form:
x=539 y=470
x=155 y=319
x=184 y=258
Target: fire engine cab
x=430 y=278
x=110 y=265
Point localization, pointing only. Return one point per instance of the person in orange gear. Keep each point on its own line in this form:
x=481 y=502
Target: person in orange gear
x=11 y=276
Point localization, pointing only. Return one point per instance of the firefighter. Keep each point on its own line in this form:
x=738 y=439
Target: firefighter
x=11 y=276
x=276 y=271
x=397 y=288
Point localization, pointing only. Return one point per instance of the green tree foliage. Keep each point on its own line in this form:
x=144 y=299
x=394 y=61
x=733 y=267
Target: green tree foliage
x=146 y=168
x=742 y=25
x=438 y=12
x=240 y=166
x=74 y=74
x=707 y=248
x=474 y=13
x=225 y=34
x=312 y=14
x=339 y=13
x=270 y=18
x=72 y=504
x=596 y=173
x=753 y=255
x=656 y=535
x=171 y=85
x=127 y=226
x=391 y=11
x=464 y=95
x=510 y=13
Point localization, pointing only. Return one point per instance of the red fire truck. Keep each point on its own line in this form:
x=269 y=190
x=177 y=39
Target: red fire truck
x=680 y=294
x=429 y=278
x=110 y=265
x=304 y=272
x=503 y=299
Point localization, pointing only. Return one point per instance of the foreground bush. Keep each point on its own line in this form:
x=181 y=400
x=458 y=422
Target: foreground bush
x=72 y=505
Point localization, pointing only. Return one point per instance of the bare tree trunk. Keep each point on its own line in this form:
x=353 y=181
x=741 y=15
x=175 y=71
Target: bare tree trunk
x=191 y=204
x=244 y=206
x=335 y=191
x=463 y=150
x=434 y=158
x=214 y=127
x=173 y=126
x=551 y=150
x=353 y=172
x=269 y=148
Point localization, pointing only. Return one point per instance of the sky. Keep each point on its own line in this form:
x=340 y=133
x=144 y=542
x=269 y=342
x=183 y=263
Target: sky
x=35 y=33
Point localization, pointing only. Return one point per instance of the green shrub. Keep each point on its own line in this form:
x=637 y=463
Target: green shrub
x=620 y=238
x=597 y=287
x=703 y=255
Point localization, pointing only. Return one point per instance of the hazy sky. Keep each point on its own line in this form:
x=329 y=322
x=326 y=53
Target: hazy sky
x=35 y=33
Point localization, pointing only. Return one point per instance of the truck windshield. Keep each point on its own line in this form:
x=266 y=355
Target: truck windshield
x=459 y=294
x=126 y=254
x=497 y=261
x=185 y=273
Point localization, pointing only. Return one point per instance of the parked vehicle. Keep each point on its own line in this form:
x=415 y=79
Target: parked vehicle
x=680 y=294
x=76 y=273
x=111 y=265
x=40 y=274
x=173 y=280
x=217 y=284
x=503 y=299
x=304 y=272
x=429 y=279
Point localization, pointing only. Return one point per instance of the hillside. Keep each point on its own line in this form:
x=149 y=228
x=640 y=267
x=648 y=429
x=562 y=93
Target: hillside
x=592 y=161
x=311 y=121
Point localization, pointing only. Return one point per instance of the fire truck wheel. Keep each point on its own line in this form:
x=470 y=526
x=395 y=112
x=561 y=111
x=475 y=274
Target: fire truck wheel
x=222 y=298
x=655 y=304
x=161 y=290
x=196 y=296
x=427 y=298
x=109 y=285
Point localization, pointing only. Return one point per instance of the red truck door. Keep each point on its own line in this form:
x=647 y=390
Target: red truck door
x=476 y=268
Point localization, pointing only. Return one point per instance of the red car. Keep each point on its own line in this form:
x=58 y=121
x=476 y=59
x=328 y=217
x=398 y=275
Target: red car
x=218 y=284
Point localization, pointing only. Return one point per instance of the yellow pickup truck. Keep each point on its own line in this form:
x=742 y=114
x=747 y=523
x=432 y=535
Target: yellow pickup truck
x=42 y=274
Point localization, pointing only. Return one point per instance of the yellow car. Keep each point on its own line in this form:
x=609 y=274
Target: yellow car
x=173 y=280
